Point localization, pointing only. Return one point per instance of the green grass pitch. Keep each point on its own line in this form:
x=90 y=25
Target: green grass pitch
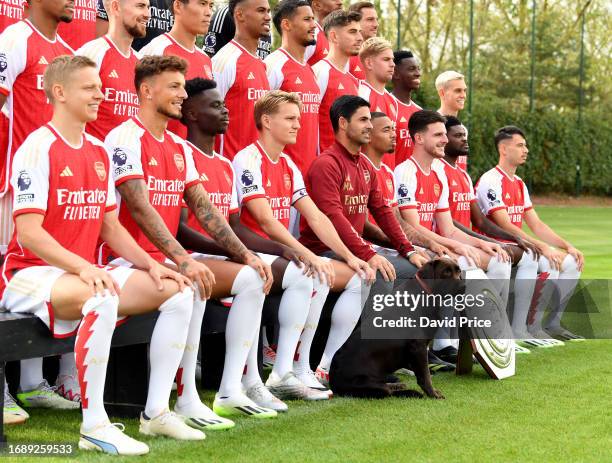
x=556 y=409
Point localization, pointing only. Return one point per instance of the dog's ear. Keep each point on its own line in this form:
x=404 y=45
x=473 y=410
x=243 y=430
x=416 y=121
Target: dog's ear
x=428 y=270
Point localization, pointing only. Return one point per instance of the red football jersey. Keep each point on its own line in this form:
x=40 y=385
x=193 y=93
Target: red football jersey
x=497 y=190
x=280 y=182
x=82 y=28
x=217 y=176
x=165 y=165
x=332 y=83
x=24 y=56
x=427 y=193
x=285 y=73
x=315 y=53
x=11 y=11
x=200 y=65
x=386 y=184
x=356 y=68
x=71 y=186
x=241 y=79
x=117 y=75
x=460 y=191
x=404 y=146
x=380 y=102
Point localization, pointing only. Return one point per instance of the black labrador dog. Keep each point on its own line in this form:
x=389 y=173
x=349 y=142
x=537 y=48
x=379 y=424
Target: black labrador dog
x=360 y=366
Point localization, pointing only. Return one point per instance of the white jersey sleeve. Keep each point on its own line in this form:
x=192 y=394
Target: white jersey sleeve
x=364 y=91
x=405 y=185
x=249 y=181
x=156 y=46
x=321 y=72
x=30 y=173
x=13 y=54
x=224 y=68
x=274 y=69
x=123 y=145
x=489 y=193
x=299 y=189
x=95 y=50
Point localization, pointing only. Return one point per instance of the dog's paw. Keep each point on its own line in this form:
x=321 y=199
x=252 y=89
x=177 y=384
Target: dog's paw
x=437 y=395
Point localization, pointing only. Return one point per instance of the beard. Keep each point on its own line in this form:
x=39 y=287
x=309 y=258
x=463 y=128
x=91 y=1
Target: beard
x=66 y=18
x=164 y=112
x=309 y=42
x=135 y=31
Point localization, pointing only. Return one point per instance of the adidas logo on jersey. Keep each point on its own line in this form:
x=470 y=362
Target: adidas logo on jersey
x=340 y=86
x=113 y=74
x=507 y=195
x=152 y=162
x=298 y=80
x=453 y=183
x=42 y=60
x=357 y=68
x=66 y=172
x=421 y=191
x=251 y=76
x=269 y=184
x=203 y=177
x=403 y=119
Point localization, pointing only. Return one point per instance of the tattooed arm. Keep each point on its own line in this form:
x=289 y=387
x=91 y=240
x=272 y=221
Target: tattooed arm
x=135 y=195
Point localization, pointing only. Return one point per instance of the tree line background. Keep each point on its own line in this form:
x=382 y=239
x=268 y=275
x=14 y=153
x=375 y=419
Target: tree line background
x=569 y=131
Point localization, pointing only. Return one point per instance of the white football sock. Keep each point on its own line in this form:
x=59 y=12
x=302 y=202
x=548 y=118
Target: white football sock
x=31 y=374
x=292 y=314
x=186 y=391
x=344 y=318
x=302 y=361
x=166 y=349
x=67 y=365
x=542 y=294
x=524 y=284
x=93 y=341
x=498 y=273
x=251 y=373
x=242 y=324
x=566 y=284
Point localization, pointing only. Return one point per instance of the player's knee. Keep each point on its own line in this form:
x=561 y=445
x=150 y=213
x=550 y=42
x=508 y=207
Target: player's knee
x=569 y=265
x=106 y=308
x=179 y=302
x=248 y=281
x=294 y=278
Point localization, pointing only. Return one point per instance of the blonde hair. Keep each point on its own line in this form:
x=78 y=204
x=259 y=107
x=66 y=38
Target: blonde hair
x=374 y=46
x=446 y=77
x=272 y=101
x=60 y=70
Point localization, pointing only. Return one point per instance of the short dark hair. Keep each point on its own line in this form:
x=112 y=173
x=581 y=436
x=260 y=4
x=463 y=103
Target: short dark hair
x=170 y=4
x=150 y=66
x=421 y=119
x=451 y=121
x=339 y=18
x=377 y=114
x=399 y=55
x=506 y=133
x=286 y=10
x=345 y=106
x=357 y=7
x=232 y=4
x=198 y=85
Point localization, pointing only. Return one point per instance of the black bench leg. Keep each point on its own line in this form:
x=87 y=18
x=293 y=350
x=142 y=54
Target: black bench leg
x=127 y=381
x=2 y=436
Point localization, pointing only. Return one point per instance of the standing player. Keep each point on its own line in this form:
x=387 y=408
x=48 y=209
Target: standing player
x=26 y=48
x=369 y=29
x=154 y=172
x=321 y=8
x=377 y=57
x=82 y=28
x=466 y=214
x=344 y=34
x=159 y=20
x=452 y=91
x=115 y=58
x=241 y=75
x=343 y=185
x=269 y=185
x=288 y=71
x=222 y=29
x=504 y=198
x=406 y=79
x=423 y=201
x=191 y=18
x=62 y=181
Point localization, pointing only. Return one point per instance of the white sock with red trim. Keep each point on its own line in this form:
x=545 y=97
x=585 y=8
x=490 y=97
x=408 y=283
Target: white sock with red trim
x=166 y=349
x=93 y=341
